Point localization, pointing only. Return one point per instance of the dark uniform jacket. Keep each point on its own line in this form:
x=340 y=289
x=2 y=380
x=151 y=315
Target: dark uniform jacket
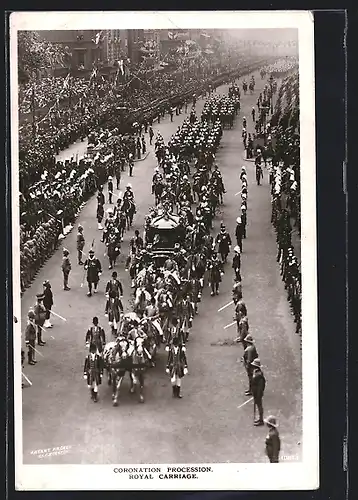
x=236 y=261
x=273 y=445
x=93 y=267
x=114 y=285
x=239 y=232
x=30 y=332
x=93 y=369
x=215 y=268
x=177 y=361
x=114 y=307
x=48 y=298
x=80 y=241
x=224 y=241
x=96 y=335
x=66 y=264
x=40 y=314
x=258 y=384
x=250 y=354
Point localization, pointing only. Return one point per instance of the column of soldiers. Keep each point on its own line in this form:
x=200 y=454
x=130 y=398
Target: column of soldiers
x=250 y=358
x=289 y=265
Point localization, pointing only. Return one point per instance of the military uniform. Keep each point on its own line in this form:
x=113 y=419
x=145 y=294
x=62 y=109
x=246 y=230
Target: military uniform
x=272 y=441
x=96 y=335
x=250 y=353
x=80 y=243
x=94 y=270
x=177 y=366
x=48 y=303
x=93 y=372
x=258 y=384
x=40 y=317
x=30 y=338
x=66 y=269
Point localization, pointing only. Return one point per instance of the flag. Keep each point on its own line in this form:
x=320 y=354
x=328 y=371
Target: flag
x=120 y=65
x=97 y=39
x=66 y=83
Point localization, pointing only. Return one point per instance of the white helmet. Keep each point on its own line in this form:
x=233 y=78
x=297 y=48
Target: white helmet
x=129 y=186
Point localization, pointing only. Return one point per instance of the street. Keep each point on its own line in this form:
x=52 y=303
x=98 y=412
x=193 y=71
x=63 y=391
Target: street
x=213 y=422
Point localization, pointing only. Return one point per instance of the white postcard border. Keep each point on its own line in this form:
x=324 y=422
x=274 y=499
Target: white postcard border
x=287 y=476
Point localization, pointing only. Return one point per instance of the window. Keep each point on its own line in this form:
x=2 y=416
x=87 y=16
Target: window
x=81 y=58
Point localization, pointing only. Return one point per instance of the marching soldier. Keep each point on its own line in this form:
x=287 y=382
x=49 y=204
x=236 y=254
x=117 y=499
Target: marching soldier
x=250 y=354
x=216 y=271
x=272 y=442
x=80 y=244
x=236 y=263
x=66 y=268
x=110 y=189
x=40 y=317
x=48 y=302
x=30 y=337
x=177 y=366
x=258 y=384
x=94 y=270
x=95 y=335
x=93 y=371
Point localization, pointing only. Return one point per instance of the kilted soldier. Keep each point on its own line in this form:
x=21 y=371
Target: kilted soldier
x=113 y=310
x=30 y=337
x=110 y=189
x=236 y=263
x=94 y=270
x=114 y=285
x=258 y=384
x=48 y=302
x=80 y=243
x=177 y=366
x=272 y=442
x=66 y=268
x=40 y=317
x=93 y=371
x=250 y=353
x=95 y=335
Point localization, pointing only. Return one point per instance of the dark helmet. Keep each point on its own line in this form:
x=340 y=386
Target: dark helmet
x=95 y=320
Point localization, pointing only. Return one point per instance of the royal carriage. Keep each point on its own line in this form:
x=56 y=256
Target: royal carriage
x=163 y=233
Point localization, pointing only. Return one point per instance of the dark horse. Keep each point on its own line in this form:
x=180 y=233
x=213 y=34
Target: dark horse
x=129 y=209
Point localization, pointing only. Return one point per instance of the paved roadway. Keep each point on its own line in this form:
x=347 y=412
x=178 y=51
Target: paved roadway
x=211 y=423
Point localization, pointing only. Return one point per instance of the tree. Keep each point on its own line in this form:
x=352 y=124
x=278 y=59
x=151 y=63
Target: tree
x=36 y=54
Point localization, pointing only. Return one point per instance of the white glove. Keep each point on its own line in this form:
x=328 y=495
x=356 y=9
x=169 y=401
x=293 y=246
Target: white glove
x=99 y=274
x=167 y=371
x=106 y=315
x=84 y=376
x=185 y=371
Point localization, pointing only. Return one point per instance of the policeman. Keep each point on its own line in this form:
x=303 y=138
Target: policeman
x=80 y=242
x=48 y=302
x=258 y=384
x=272 y=441
x=30 y=337
x=66 y=268
x=250 y=353
x=40 y=317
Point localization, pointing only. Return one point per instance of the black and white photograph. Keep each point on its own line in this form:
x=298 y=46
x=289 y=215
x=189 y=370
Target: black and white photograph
x=164 y=250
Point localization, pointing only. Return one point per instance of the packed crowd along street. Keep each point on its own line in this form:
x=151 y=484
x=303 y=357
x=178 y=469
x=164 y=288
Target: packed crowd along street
x=162 y=264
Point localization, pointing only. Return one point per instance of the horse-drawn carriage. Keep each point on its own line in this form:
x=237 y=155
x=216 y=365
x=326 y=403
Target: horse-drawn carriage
x=163 y=233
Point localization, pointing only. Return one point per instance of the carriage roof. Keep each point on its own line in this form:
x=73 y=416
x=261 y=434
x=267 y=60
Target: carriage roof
x=165 y=221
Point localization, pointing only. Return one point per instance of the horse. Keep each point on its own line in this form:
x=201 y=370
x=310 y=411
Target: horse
x=117 y=362
x=129 y=209
x=142 y=298
x=139 y=357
